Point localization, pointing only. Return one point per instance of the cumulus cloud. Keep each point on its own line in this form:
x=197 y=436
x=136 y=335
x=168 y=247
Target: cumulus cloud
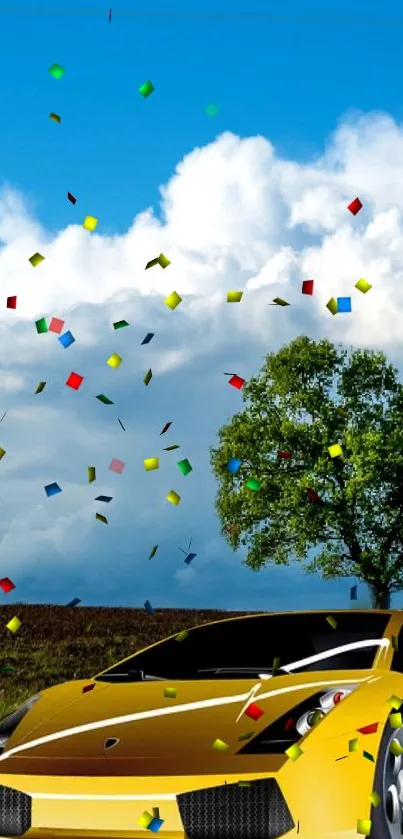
x=234 y=215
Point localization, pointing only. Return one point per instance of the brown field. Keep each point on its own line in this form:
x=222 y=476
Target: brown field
x=55 y=643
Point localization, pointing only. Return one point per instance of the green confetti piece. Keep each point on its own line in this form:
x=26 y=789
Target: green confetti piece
x=146 y=89
x=170 y=693
x=171 y=448
x=41 y=326
x=244 y=783
x=156 y=812
x=147 y=378
x=56 y=71
x=278 y=301
x=102 y=518
x=91 y=474
x=40 y=387
x=2 y=453
x=395 y=643
x=246 y=736
x=104 y=399
x=182 y=635
x=332 y=621
x=153 y=551
x=184 y=466
x=368 y=756
x=276 y=664
x=120 y=324
x=211 y=110
x=253 y=484
x=55 y=118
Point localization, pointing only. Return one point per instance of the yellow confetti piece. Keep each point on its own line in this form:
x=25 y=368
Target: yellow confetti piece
x=145 y=820
x=332 y=306
x=90 y=223
x=332 y=621
x=182 y=635
x=102 y=518
x=36 y=259
x=151 y=463
x=364 y=826
x=173 y=300
x=395 y=720
x=2 y=452
x=163 y=261
x=294 y=752
x=363 y=285
x=395 y=702
x=114 y=361
x=234 y=296
x=55 y=118
x=374 y=798
x=170 y=693
x=14 y=624
x=353 y=745
x=220 y=746
x=173 y=497
x=335 y=450
x=91 y=474
x=395 y=748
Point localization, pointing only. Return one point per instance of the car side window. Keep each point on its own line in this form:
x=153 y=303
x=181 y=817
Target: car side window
x=397 y=661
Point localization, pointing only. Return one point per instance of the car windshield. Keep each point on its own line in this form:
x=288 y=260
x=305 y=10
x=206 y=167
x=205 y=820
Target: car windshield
x=246 y=647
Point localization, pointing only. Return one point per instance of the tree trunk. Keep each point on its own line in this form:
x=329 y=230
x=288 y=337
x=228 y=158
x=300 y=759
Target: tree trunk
x=380 y=598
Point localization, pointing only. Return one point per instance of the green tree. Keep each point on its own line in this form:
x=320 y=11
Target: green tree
x=347 y=511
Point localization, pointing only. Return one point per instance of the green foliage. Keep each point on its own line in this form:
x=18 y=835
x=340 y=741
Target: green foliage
x=309 y=396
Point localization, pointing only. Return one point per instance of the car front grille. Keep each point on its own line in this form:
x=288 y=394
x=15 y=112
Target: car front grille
x=15 y=812
x=235 y=811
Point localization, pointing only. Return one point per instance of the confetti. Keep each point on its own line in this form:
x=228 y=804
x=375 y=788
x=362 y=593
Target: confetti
x=395 y=702
x=114 y=361
x=87 y=688
x=237 y=382
x=369 y=729
x=278 y=301
x=148 y=338
x=102 y=518
x=6 y=585
x=91 y=474
x=283 y=455
x=181 y=636
x=294 y=752
x=151 y=463
x=116 y=466
x=2 y=453
x=312 y=495
x=234 y=296
x=253 y=484
x=353 y=593
x=55 y=118
x=36 y=259
x=332 y=306
x=335 y=450
x=121 y=424
x=73 y=602
x=307 y=287
x=110 y=15
x=170 y=693
x=173 y=300
x=184 y=466
x=66 y=340
x=75 y=381
x=146 y=89
x=233 y=465
x=246 y=736
x=332 y=621
x=104 y=399
x=14 y=624
x=11 y=302
x=153 y=551
x=71 y=198
x=56 y=325
x=375 y=798
x=120 y=324
x=355 y=206
x=189 y=558
x=147 y=378
x=165 y=428
x=171 y=448
x=173 y=497
x=395 y=748
x=364 y=826
x=395 y=720
x=52 y=489
x=368 y=756
x=41 y=326
x=343 y=304
x=353 y=745
x=254 y=712
x=90 y=223
x=219 y=745
x=156 y=825
x=395 y=643
x=211 y=110
x=161 y=260
x=145 y=820
x=149 y=609
x=363 y=286
x=105 y=498
x=56 y=71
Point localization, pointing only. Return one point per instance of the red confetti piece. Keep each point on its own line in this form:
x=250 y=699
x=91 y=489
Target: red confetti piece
x=289 y=724
x=11 y=302
x=71 y=198
x=75 y=381
x=355 y=206
x=307 y=287
x=87 y=688
x=312 y=495
x=165 y=428
x=237 y=382
x=369 y=729
x=6 y=585
x=254 y=712
x=56 y=325
x=284 y=455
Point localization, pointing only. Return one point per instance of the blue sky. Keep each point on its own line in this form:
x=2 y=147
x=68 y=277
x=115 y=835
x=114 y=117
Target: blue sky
x=238 y=210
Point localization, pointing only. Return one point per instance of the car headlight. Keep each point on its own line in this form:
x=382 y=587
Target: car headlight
x=296 y=723
x=9 y=724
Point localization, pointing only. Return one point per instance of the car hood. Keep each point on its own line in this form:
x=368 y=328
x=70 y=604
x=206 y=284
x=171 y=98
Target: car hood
x=70 y=724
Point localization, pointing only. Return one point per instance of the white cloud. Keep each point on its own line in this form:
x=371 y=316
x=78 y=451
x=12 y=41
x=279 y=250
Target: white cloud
x=234 y=216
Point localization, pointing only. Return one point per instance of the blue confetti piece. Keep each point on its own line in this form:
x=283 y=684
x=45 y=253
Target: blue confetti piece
x=233 y=465
x=67 y=339
x=52 y=489
x=149 y=609
x=148 y=338
x=155 y=825
x=106 y=498
x=343 y=304
x=353 y=593
x=189 y=558
x=74 y=602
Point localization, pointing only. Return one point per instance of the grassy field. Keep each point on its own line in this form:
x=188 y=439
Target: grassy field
x=55 y=643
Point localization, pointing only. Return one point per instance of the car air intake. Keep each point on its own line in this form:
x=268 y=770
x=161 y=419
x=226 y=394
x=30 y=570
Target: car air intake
x=255 y=811
x=15 y=812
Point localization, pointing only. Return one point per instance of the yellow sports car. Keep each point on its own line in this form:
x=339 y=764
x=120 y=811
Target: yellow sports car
x=258 y=727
